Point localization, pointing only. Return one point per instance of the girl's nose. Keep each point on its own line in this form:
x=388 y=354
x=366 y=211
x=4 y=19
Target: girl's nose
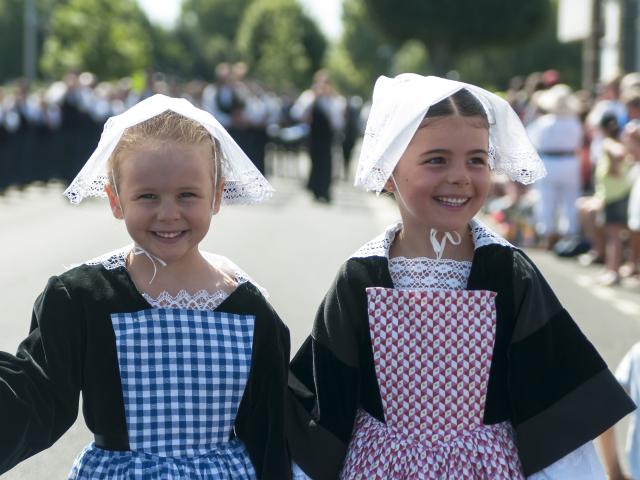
x=458 y=175
x=168 y=210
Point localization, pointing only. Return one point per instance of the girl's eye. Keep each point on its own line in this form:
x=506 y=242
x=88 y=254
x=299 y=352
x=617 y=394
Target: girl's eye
x=434 y=161
x=187 y=195
x=147 y=196
x=478 y=161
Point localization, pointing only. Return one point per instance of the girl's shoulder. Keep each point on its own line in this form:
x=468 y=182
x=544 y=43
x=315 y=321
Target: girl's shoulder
x=233 y=270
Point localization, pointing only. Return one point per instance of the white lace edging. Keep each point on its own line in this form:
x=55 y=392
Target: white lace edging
x=201 y=300
x=380 y=245
x=429 y=273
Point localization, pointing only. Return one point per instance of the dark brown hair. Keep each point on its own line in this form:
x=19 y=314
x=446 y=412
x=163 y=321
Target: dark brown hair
x=462 y=103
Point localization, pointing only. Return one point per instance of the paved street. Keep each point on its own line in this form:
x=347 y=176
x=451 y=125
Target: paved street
x=291 y=246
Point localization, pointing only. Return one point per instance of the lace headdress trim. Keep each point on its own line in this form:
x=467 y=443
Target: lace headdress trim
x=398 y=107
x=243 y=182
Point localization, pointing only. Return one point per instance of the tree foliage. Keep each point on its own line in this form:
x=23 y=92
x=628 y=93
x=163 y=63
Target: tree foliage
x=280 y=43
x=495 y=66
x=107 y=37
x=206 y=31
x=449 y=28
x=362 y=53
x=12 y=36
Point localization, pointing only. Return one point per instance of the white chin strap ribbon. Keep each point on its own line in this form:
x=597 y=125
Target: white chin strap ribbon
x=152 y=258
x=437 y=245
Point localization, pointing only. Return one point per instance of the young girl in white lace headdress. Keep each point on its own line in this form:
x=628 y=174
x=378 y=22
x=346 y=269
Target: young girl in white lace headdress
x=440 y=352
x=181 y=361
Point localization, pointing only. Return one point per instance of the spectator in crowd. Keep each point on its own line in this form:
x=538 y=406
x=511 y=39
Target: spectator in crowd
x=323 y=110
x=557 y=135
x=612 y=186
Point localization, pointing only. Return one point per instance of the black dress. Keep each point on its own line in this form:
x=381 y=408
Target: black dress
x=72 y=348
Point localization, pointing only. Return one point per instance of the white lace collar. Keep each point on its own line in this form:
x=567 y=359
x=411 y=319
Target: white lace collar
x=118 y=259
x=379 y=246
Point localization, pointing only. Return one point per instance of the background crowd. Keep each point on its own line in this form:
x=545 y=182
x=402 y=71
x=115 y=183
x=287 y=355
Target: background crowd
x=47 y=133
x=587 y=207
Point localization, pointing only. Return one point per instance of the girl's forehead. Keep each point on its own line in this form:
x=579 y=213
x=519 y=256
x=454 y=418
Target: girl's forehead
x=451 y=129
x=153 y=160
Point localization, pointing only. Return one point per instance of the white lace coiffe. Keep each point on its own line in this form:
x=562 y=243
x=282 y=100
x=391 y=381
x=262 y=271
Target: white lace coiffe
x=243 y=182
x=398 y=107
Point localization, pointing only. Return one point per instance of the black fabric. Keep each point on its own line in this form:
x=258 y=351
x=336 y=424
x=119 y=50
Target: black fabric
x=542 y=364
x=320 y=150
x=118 y=443
x=71 y=349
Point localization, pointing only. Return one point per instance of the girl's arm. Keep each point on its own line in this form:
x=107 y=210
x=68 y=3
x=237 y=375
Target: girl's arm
x=39 y=386
x=325 y=382
x=610 y=455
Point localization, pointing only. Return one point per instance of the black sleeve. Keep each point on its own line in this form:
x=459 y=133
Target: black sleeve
x=40 y=385
x=260 y=420
x=562 y=394
x=325 y=380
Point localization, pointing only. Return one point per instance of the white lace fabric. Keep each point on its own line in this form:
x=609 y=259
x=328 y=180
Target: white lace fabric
x=399 y=106
x=243 y=182
x=201 y=300
x=379 y=246
x=429 y=273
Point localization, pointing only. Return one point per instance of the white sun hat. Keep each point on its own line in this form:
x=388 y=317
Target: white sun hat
x=398 y=107
x=243 y=182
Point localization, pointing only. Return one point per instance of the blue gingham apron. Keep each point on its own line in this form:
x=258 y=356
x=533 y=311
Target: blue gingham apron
x=183 y=375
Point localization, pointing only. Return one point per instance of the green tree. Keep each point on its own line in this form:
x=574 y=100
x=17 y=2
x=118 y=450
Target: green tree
x=449 y=28
x=207 y=31
x=107 y=37
x=280 y=43
x=12 y=37
x=362 y=53
x=495 y=66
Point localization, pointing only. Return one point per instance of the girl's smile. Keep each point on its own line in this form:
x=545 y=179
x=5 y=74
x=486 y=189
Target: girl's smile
x=166 y=197
x=442 y=179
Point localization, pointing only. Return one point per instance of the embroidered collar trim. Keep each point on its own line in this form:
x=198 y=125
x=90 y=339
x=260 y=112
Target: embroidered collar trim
x=379 y=246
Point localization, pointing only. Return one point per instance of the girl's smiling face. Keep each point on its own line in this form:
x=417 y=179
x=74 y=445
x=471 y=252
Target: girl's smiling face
x=166 y=196
x=443 y=176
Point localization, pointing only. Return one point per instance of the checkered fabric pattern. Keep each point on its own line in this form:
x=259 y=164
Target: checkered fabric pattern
x=183 y=375
x=432 y=352
x=228 y=461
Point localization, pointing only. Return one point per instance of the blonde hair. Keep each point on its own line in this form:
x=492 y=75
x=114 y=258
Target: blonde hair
x=167 y=126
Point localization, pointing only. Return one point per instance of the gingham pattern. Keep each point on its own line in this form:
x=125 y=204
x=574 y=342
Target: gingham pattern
x=228 y=461
x=432 y=353
x=183 y=374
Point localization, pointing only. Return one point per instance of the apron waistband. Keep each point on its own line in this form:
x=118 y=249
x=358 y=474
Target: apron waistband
x=118 y=443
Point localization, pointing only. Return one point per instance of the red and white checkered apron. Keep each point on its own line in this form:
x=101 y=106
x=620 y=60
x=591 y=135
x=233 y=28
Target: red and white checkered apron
x=432 y=352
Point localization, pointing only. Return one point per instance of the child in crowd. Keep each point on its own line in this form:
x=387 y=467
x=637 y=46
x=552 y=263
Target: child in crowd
x=440 y=352
x=628 y=374
x=181 y=362
x=612 y=188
